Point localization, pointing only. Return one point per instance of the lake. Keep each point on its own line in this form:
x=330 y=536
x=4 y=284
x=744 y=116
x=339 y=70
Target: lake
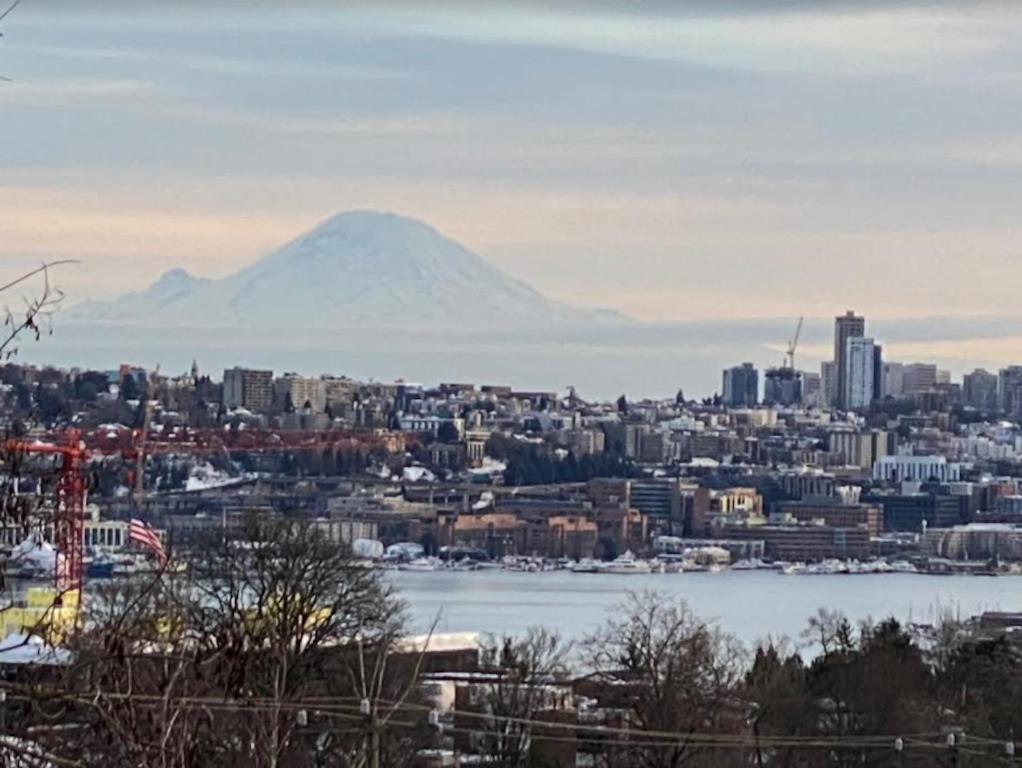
x=751 y=605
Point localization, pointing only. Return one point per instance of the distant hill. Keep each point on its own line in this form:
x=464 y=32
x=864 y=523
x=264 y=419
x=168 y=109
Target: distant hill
x=356 y=269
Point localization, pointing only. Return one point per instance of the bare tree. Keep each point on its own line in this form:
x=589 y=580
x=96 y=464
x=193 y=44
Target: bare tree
x=251 y=657
x=3 y=16
x=526 y=675
x=668 y=673
x=38 y=306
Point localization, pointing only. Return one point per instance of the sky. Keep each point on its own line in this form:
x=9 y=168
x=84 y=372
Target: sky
x=675 y=161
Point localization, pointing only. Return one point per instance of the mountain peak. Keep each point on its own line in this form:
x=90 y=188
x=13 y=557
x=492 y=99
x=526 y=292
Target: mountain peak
x=174 y=277
x=361 y=269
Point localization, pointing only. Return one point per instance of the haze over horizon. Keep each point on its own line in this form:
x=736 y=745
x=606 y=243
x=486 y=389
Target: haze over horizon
x=680 y=163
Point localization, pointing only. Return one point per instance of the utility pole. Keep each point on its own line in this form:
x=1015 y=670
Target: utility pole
x=369 y=712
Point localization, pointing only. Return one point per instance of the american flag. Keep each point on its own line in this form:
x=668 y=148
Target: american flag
x=143 y=533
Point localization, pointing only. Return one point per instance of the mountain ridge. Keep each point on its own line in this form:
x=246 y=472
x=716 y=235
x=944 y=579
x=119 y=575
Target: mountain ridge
x=357 y=268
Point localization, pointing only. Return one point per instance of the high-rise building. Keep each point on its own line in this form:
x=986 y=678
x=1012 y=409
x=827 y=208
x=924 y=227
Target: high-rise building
x=919 y=377
x=893 y=384
x=860 y=367
x=782 y=386
x=248 y=388
x=878 y=372
x=812 y=390
x=302 y=391
x=828 y=382
x=979 y=390
x=741 y=386
x=861 y=449
x=846 y=326
x=1009 y=390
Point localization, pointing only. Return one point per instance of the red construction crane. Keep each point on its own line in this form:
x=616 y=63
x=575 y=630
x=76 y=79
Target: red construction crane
x=69 y=514
x=75 y=448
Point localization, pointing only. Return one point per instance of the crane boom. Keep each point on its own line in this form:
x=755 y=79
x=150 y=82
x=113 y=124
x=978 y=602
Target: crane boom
x=793 y=344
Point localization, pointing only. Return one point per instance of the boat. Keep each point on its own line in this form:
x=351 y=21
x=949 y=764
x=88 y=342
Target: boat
x=101 y=566
x=903 y=566
x=587 y=565
x=627 y=565
x=747 y=565
x=419 y=564
x=521 y=564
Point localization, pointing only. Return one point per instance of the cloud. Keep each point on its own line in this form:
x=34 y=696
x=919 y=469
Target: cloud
x=66 y=92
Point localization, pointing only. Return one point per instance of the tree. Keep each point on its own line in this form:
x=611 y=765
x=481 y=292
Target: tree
x=38 y=306
x=670 y=673
x=259 y=655
x=522 y=670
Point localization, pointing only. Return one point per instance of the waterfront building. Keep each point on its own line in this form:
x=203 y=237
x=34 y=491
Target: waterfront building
x=806 y=542
x=917 y=512
x=659 y=498
x=977 y=541
x=834 y=514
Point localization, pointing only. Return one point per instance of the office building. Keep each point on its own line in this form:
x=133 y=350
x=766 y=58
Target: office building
x=918 y=378
x=783 y=386
x=741 y=386
x=861 y=449
x=657 y=498
x=1009 y=390
x=860 y=370
x=248 y=388
x=828 y=382
x=806 y=542
x=979 y=390
x=833 y=514
x=917 y=512
x=878 y=372
x=846 y=327
x=301 y=392
x=893 y=381
x=812 y=390
x=920 y=469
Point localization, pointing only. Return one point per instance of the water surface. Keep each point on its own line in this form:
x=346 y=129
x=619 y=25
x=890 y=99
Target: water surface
x=751 y=605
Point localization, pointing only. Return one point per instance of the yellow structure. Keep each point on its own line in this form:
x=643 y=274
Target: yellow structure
x=38 y=615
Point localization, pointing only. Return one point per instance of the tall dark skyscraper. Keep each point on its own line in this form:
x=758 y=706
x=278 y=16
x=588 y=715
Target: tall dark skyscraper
x=846 y=326
x=782 y=386
x=741 y=386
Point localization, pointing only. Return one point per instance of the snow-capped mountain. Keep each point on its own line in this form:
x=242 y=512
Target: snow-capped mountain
x=360 y=268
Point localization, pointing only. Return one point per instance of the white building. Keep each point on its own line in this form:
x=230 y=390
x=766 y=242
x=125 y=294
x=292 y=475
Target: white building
x=860 y=362
x=899 y=469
